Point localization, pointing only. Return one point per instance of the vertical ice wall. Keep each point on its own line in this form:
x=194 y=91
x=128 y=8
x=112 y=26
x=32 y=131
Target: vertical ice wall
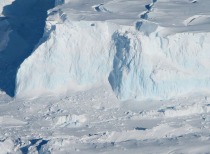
x=80 y=54
x=158 y=67
x=74 y=55
x=127 y=61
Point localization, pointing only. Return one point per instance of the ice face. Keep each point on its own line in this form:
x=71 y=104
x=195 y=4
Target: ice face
x=109 y=43
x=163 y=67
x=81 y=54
x=73 y=54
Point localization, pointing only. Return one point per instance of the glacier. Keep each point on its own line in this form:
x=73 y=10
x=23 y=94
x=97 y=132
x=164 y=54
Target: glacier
x=136 y=65
x=104 y=76
x=138 y=57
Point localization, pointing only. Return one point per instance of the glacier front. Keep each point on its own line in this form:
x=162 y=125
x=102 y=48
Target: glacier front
x=88 y=43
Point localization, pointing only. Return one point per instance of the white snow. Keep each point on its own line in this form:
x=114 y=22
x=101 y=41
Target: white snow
x=94 y=121
x=112 y=76
x=6 y=146
x=70 y=120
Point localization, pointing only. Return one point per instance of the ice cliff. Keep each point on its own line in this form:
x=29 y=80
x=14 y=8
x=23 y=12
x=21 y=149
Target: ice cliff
x=85 y=44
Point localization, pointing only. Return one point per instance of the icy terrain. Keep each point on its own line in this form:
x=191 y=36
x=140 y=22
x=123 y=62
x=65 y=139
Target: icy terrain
x=127 y=43
x=104 y=76
x=94 y=121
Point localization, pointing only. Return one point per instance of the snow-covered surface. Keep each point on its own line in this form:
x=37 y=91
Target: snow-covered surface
x=94 y=121
x=154 y=55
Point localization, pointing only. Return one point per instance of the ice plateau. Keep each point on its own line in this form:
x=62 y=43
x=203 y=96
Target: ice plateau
x=127 y=44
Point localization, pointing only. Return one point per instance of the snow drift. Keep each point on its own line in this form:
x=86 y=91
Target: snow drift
x=139 y=60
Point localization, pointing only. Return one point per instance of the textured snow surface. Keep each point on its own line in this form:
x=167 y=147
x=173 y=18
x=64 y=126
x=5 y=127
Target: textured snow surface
x=94 y=121
x=85 y=44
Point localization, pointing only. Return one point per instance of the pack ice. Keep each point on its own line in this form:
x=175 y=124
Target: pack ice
x=143 y=49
